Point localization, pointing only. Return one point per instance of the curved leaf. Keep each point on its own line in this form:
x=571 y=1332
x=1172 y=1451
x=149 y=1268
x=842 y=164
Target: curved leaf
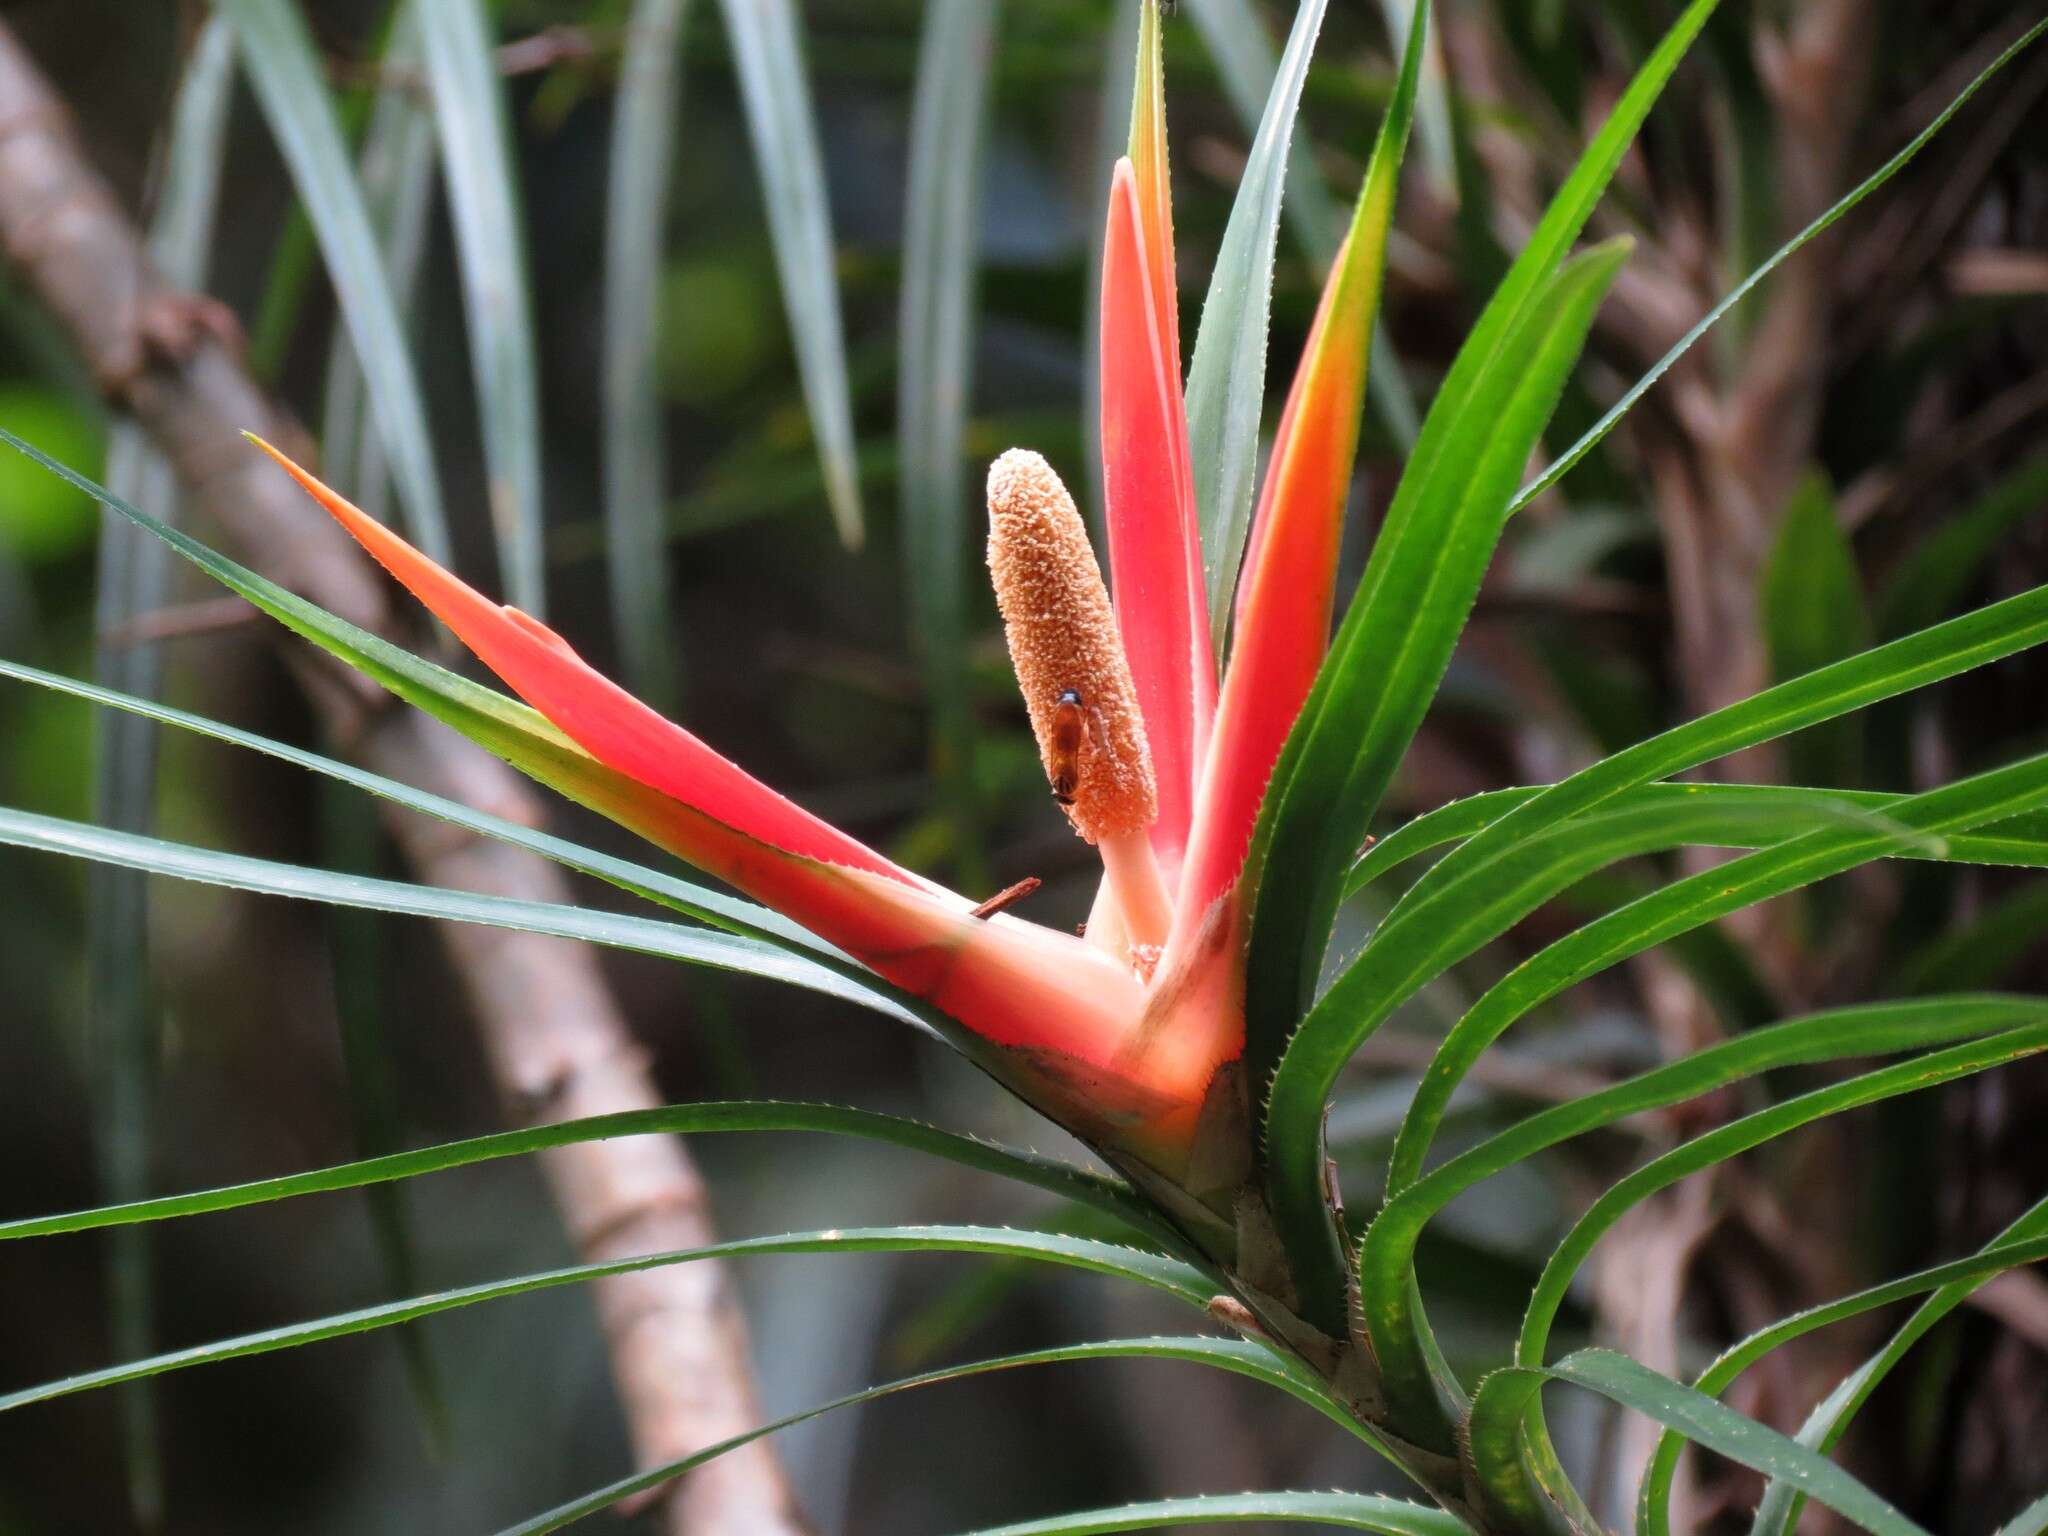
x=1507 y=1394
x=731 y=913
x=1715 y=815
x=1688 y=903
x=1151 y=1270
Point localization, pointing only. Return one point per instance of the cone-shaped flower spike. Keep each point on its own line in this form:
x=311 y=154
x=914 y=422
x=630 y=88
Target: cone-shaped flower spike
x=1127 y=1034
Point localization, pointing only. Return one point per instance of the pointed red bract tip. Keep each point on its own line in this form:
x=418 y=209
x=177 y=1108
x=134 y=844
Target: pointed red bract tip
x=593 y=711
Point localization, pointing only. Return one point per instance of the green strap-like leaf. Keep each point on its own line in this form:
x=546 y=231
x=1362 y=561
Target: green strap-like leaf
x=644 y=121
x=1226 y=390
x=648 y=936
x=1109 y=1196
x=1507 y=1394
x=1653 y=1513
x=1371 y=695
x=284 y=68
x=1863 y=189
x=490 y=251
x=1151 y=1270
x=714 y=907
x=777 y=98
x=1231 y=1355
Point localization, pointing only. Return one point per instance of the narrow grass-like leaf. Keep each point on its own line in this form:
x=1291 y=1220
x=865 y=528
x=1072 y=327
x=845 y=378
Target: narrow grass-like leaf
x=1149 y=1270
x=1106 y=1195
x=1884 y=173
x=133 y=579
x=731 y=913
x=1507 y=1394
x=490 y=249
x=1426 y=925
x=501 y=725
x=1387 y=1254
x=648 y=936
x=284 y=69
x=397 y=176
x=935 y=376
x=1653 y=1513
x=644 y=121
x=1778 y=1511
x=768 y=56
x=1370 y=697
x=1226 y=388
x=1241 y=1359
x=1433 y=99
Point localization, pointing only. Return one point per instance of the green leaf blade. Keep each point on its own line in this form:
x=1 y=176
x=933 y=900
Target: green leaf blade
x=777 y=99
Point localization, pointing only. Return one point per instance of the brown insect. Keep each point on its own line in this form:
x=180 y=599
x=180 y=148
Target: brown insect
x=1069 y=731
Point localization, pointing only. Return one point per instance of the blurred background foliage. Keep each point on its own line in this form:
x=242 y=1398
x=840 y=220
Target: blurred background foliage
x=1884 y=437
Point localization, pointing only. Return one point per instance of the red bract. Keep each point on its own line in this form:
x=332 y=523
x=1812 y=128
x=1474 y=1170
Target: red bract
x=1120 y=1041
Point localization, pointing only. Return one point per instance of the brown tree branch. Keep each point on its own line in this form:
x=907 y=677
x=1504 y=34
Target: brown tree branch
x=557 y=1043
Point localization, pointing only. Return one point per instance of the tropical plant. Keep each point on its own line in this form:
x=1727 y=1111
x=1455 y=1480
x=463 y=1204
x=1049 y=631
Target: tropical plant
x=1227 y=757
